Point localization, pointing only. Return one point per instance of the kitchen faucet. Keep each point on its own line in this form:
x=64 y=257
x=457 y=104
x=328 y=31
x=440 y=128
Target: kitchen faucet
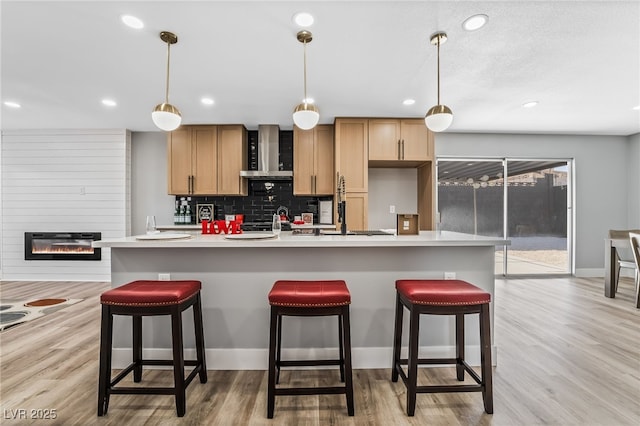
x=342 y=204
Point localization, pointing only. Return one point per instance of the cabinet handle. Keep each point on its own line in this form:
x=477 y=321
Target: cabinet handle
x=399 y=158
x=402 y=149
x=192 y=184
x=315 y=184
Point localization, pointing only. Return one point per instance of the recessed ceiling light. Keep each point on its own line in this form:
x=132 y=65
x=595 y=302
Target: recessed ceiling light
x=132 y=22
x=304 y=19
x=207 y=101
x=475 y=22
x=11 y=104
x=408 y=102
x=109 y=102
x=309 y=100
x=636 y=108
x=530 y=104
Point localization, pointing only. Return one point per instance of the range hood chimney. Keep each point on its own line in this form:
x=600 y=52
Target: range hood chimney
x=268 y=155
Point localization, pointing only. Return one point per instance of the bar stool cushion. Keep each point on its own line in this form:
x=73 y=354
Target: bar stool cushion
x=442 y=292
x=151 y=293
x=309 y=293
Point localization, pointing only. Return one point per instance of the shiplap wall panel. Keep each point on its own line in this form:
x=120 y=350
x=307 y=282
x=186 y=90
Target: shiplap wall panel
x=63 y=181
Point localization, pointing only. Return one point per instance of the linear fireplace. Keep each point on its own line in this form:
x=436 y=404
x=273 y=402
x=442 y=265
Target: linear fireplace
x=61 y=246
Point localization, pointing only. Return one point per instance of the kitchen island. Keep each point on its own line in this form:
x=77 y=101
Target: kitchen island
x=237 y=275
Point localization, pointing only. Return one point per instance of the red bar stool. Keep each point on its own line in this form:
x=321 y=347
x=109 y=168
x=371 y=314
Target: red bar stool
x=442 y=297
x=148 y=298
x=309 y=298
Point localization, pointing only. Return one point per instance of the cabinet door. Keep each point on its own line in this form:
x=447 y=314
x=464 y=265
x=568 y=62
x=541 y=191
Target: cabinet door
x=232 y=158
x=323 y=160
x=352 y=153
x=416 y=141
x=204 y=160
x=179 y=161
x=384 y=139
x=357 y=207
x=303 y=159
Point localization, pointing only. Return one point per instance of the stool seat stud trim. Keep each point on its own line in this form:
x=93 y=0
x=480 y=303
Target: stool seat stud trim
x=309 y=293
x=151 y=293
x=442 y=292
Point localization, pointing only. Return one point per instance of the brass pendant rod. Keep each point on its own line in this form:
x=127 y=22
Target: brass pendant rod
x=438 y=45
x=168 y=60
x=305 y=71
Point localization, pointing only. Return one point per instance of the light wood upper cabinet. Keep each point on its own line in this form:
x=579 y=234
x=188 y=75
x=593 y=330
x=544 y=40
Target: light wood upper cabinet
x=206 y=160
x=313 y=161
x=179 y=155
x=203 y=160
x=399 y=142
x=352 y=152
x=232 y=158
x=357 y=211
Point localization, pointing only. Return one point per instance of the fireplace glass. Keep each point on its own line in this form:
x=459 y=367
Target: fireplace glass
x=61 y=246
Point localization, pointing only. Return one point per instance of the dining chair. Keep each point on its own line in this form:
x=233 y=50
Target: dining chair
x=624 y=260
x=635 y=248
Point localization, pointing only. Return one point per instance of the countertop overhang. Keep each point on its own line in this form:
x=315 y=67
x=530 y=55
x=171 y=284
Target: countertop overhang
x=286 y=239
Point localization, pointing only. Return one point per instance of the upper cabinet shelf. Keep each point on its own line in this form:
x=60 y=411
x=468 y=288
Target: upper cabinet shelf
x=399 y=142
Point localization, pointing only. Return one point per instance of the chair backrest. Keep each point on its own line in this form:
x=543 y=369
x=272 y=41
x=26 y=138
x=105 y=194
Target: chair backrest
x=635 y=247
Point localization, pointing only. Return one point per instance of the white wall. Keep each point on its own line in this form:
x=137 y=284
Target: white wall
x=602 y=190
x=398 y=187
x=63 y=180
x=633 y=169
x=149 y=180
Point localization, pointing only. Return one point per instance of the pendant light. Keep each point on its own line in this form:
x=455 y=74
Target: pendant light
x=166 y=116
x=439 y=117
x=305 y=115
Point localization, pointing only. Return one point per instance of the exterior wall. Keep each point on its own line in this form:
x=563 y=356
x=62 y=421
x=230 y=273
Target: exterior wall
x=63 y=180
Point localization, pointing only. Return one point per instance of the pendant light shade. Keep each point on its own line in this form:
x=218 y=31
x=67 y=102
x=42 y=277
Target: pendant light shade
x=166 y=116
x=439 y=117
x=305 y=115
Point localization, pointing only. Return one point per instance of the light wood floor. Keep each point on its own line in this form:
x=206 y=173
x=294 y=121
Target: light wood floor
x=567 y=356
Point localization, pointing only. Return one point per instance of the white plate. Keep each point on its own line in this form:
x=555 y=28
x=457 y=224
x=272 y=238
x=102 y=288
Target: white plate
x=251 y=236
x=163 y=236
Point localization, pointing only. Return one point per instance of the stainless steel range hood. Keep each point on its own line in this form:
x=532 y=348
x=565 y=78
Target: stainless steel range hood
x=268 y=155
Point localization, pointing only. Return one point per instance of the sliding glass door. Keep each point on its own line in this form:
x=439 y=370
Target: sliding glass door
x=525 y=200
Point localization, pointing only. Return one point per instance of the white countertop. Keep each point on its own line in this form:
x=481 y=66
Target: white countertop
x=286 y=239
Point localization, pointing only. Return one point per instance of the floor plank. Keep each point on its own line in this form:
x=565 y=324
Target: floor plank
x=567 y=356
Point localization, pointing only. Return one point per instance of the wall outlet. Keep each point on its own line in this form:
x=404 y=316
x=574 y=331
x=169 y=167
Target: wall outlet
x=392 y=208
x=449 y=275
x=164 y=277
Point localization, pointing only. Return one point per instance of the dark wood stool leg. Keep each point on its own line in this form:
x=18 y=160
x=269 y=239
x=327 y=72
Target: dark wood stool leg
x=104 y=379
x=341 y=346
x=459 y=346
x=485 y=358
x=271 y=386
x=412 y=362
x=178 y=361
x=199 y=330
x=397 y=339
x=137 y=348
x=278 y=348
x=346 y=332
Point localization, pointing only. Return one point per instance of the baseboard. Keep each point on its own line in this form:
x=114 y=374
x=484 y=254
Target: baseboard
x=599 y=273
x=590 y=272
x=256 y=359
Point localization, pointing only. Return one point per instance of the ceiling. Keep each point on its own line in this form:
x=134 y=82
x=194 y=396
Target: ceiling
x=579 y=59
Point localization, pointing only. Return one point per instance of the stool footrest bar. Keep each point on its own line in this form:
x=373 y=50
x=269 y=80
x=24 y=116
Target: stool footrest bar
x=308 y=363
x=449 y=388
